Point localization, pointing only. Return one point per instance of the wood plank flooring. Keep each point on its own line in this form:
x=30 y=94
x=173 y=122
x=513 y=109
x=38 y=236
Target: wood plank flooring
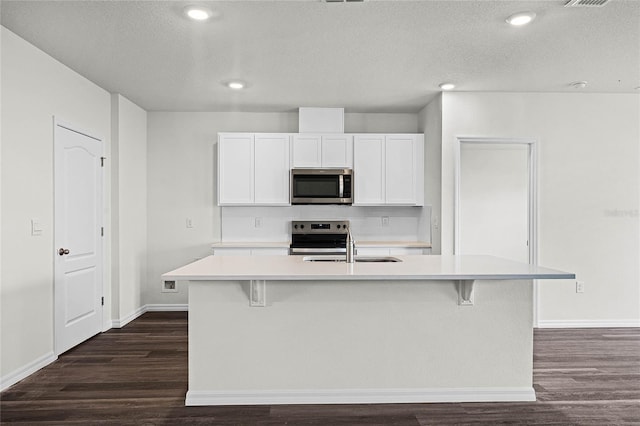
x=137 y=375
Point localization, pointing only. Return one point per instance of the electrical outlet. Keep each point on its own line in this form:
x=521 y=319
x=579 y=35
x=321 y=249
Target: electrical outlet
x=579 y=286
x=258 y=222
x=189 y=223
x=169 y=287
x=385 y=220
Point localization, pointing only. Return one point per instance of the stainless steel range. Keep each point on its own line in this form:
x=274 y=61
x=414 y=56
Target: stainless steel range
x=319 y=237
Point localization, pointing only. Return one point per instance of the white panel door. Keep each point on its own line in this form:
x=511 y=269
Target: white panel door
x=368 y=169
x=307 y=151
x=235 y=169
x=400 y=170
x=78 y=240
x=494 y=200
x=272 y=169
x=337 y=151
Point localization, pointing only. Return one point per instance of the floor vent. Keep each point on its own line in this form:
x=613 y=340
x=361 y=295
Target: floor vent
x=586 y=3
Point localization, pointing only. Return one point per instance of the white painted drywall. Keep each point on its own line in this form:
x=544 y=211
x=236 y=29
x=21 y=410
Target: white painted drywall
x=430 y=122
x=588 y=177
x=129 y=204
x=35 y=87
x=393 y=335
x=494 y=200
x=181 y=158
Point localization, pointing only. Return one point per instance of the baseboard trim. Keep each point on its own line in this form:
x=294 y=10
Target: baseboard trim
x=24 y=372
x=119 y=323
x=173 y=307
x=587 y=323
x=359 y=396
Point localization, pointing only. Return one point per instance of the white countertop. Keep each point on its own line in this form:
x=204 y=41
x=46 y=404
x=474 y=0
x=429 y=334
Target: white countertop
x=294 y=268
x=285 y=244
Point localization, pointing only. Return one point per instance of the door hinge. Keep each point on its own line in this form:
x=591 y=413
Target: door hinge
x=102 y=231
x=102 y=300
x=102 y=161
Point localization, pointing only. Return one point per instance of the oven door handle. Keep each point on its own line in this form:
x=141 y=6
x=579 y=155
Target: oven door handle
x=341 y=186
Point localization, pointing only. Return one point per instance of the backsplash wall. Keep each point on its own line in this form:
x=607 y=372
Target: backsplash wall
x=243 y=224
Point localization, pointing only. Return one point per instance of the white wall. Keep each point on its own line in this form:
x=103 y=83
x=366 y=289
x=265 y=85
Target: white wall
x=35 y=88
x=181 y=181
x=430 y=122
x=129 y=205
x=588 y=177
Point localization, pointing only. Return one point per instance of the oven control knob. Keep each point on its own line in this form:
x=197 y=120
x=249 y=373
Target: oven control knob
x=301 y=226
x=295 y=226
x=338 y=226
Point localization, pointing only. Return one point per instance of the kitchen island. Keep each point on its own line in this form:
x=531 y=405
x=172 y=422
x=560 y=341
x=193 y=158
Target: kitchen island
x=282 y=330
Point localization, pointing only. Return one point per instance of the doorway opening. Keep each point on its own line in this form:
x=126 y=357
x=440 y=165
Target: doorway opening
x=495 y=200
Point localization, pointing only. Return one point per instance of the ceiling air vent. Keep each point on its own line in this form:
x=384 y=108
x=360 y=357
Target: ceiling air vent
x=343 y=1
x=586 y=3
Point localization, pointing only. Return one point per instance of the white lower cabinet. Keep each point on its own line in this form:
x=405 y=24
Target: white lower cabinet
x=247 y=251
x=391 y=251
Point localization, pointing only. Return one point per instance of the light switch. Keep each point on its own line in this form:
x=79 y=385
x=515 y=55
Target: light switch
x=189 y=223
x=36 y=227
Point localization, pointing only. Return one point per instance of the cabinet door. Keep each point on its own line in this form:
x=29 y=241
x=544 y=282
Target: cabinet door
x=337 y=151
x=270 y=252
x=372 y=251
x=232 y=252
x=271 y=179
x=235 y=169
x=307 y=151
x=405 y=251
x=368 y=169
x=400 y=171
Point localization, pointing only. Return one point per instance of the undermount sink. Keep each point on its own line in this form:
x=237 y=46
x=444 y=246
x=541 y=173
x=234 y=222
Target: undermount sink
x=371 y=259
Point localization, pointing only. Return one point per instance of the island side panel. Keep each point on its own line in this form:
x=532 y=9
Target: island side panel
x=333 y=336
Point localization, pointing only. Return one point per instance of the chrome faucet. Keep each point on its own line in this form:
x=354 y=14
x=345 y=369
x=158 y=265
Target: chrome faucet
x=351 y=247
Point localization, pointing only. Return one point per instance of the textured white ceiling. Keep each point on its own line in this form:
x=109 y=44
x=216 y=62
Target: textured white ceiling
x=375 y=56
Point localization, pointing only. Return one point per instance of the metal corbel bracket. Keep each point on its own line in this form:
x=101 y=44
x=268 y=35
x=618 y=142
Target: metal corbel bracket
x=465 y=292
x=258 y=293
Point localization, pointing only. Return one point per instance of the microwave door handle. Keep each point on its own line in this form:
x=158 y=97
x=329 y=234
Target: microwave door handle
x=341 y=186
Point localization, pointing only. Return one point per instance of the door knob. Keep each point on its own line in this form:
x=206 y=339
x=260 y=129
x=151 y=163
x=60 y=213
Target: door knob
x=63 y=251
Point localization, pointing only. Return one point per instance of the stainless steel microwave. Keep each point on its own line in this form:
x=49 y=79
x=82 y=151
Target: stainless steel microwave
x=321 y=186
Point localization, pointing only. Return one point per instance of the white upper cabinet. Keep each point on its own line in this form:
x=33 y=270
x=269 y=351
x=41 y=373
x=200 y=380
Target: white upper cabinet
x=253 y=169
x=389 y=170
x=337 y=151
x=271 y=178
x=311 y=150
x=368 y=169
x=307 y=150
x=235 y=168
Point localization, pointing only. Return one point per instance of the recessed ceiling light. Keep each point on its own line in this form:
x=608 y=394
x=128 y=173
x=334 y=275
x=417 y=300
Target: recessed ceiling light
x=521 y=18
x=198 y=13
x=579 y=84
x=447 y=86
x=235 y=84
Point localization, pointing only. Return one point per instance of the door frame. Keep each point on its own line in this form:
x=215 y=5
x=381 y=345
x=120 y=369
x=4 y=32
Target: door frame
x=101 y=217
x=532 y=144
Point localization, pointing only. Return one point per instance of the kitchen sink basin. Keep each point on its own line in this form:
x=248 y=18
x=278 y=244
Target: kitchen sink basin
x=368 y=259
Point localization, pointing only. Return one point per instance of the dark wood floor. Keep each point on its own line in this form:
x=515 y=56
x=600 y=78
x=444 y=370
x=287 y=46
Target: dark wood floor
x=138 y=375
